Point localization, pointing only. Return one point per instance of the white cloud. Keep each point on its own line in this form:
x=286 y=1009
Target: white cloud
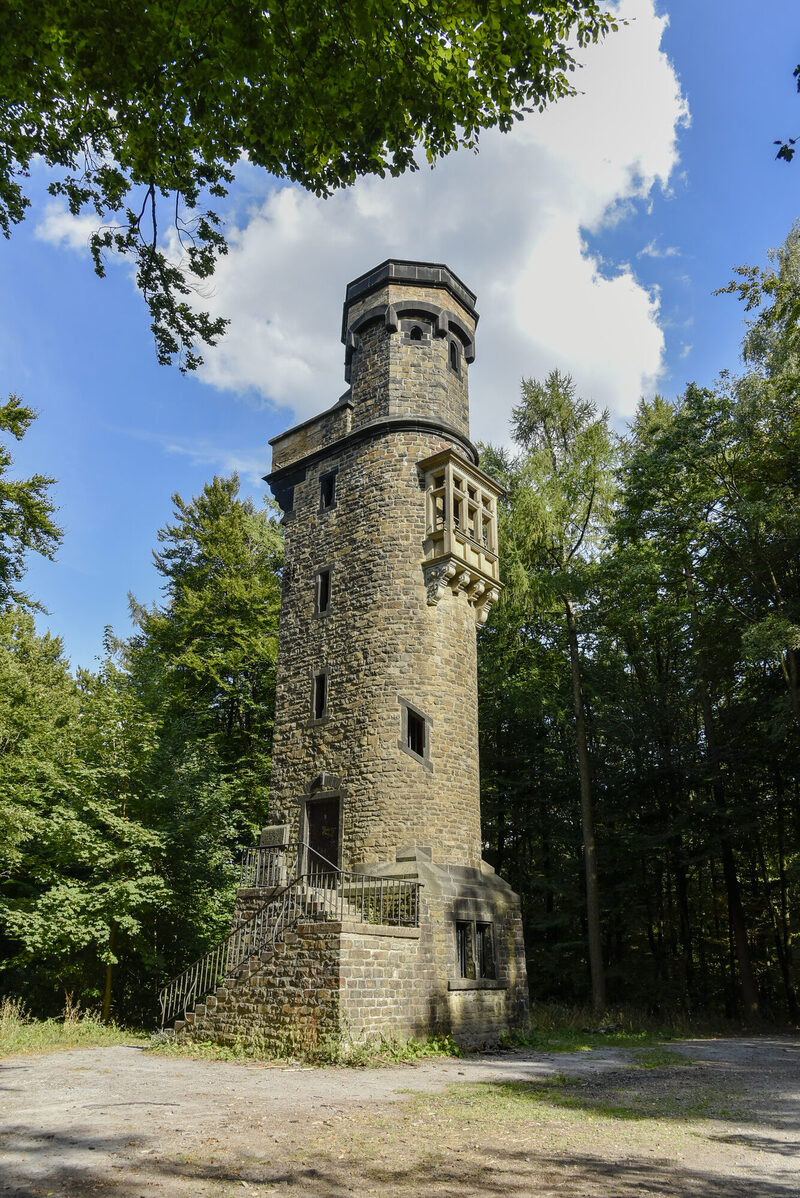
x=248 y=463
x=511 y=221
x=60 y=228
x=654 y=250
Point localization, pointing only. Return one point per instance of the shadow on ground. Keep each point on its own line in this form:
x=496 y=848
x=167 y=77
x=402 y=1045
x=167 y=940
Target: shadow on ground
x=486 y=1171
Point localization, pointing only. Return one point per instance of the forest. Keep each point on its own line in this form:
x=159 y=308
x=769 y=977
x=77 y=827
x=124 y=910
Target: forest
x=639 y=709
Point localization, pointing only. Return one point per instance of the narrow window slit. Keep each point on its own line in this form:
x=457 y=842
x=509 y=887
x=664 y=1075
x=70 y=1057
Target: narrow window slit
x=416 y=733
x=320 y=696
x=327 y=490
x=323 y=591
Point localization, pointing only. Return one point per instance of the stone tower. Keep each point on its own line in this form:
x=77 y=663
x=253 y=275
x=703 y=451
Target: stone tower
x=390 y=564
x=391 y=558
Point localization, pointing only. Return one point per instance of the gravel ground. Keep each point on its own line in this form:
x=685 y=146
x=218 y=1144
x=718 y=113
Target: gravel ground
x=717 y=1118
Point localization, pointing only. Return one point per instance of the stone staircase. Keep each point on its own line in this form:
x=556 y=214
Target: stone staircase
x=321 y=895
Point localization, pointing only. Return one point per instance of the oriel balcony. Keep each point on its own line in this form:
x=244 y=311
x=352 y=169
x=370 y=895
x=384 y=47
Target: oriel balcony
x=461 y=532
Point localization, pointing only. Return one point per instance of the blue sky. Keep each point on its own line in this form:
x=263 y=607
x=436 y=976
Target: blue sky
x=593 y=236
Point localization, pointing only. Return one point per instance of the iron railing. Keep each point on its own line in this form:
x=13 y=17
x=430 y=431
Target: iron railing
x=324 y=892
x=269 y=865
x=210 y=971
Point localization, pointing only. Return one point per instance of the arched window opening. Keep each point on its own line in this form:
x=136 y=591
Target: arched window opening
x=416 y=333
x=454 y=356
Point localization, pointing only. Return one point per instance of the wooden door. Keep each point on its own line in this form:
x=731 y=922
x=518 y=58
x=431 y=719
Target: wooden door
x=322 y=816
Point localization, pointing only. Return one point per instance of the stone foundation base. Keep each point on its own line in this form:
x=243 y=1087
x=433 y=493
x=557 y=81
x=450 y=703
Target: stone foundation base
x=356 y=981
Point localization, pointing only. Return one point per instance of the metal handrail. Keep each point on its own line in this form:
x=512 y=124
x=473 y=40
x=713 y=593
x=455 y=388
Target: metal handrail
x=323 y=892
x=269 y=865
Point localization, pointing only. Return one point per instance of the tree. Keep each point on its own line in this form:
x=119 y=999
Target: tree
x=125 y=793
x=771 y=344
x=26 y=511
x=202 y=665
x=760 y=457
x=214 y=642
x=684 y=494
x=78 y=869
x=141 y=113
x=561 y=491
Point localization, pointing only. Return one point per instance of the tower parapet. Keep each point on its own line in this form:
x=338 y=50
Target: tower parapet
x=409 y=335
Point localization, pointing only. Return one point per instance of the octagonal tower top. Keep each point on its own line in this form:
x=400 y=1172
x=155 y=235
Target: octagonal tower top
x=402 y=272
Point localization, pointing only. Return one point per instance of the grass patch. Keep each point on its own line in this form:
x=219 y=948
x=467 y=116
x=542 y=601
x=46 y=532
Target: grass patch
x=558 y=1028
x=574 y=1040
x=329 y=1050
x=604 y=1097
x=660 y=1058
x=21 y=1034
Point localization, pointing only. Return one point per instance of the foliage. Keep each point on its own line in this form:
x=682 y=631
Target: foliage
x=142 y=113
x=328 y=1050
x=79 y=862
x=772 y=341
x=202 y=665
x=560 y=488
x=26 y=511
x=689 y=625
x=126 y=792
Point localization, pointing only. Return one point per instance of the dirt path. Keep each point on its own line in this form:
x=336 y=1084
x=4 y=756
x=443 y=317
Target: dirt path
x=717 y=1118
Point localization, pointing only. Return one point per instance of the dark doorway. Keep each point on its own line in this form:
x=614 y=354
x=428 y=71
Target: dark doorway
x=322 y=818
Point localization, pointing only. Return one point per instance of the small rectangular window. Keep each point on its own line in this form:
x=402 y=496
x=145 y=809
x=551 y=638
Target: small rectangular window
x=464 y=950
x=327 y=490
x=415 y=733
x=320 y=696
x=323 y=590
x=484 y=950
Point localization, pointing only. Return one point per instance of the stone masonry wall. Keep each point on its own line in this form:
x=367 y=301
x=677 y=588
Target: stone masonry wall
x=287 y=1001
x=312 y=434
x=394 y=376
x=474 y=1010
x=381 y=643
x=355 y=981
x=387 y=979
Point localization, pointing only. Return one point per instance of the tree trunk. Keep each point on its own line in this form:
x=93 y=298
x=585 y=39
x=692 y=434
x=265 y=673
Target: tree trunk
x=780 y=947
x=109 y=967
x=789 y=668
x=735 y=909
x=738 y=926
x=747 y=979
x=587 y=821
